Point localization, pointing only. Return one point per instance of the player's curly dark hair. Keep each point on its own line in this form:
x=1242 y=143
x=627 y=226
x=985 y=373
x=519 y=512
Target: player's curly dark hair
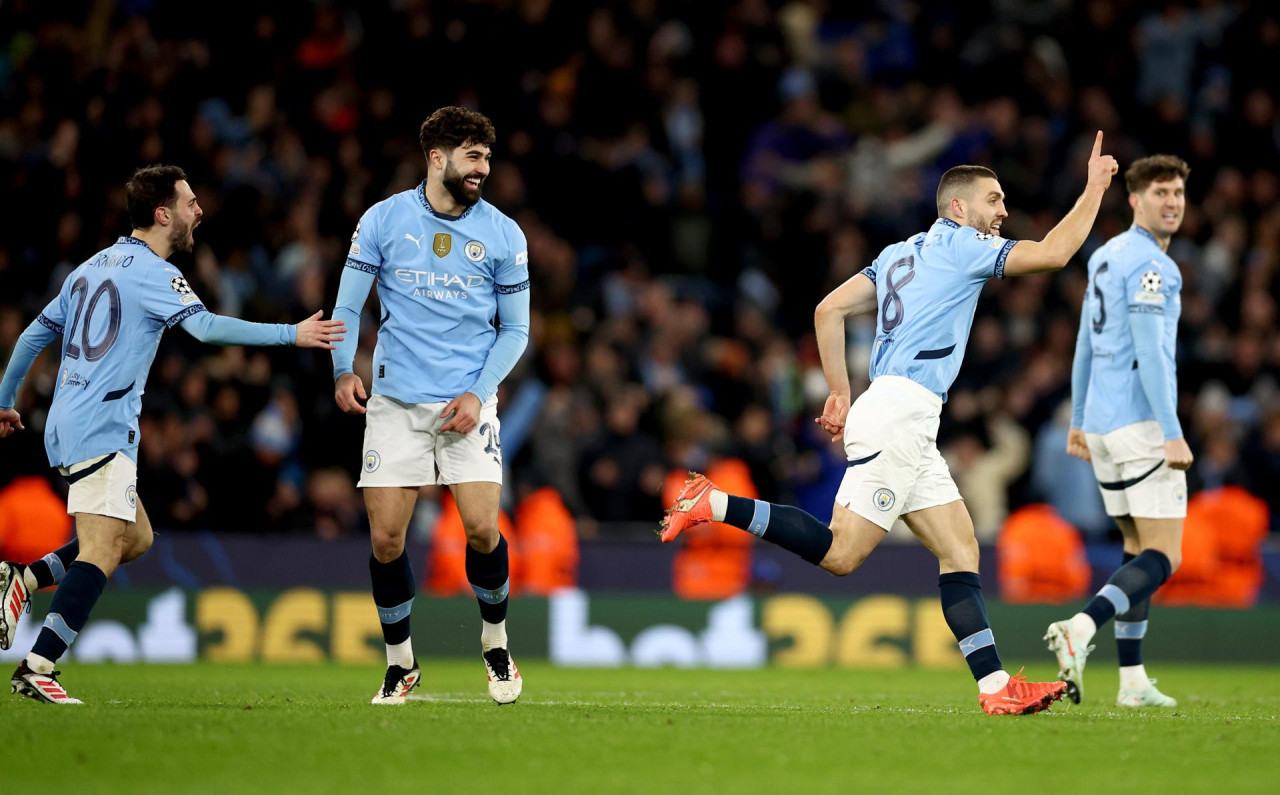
x=1156 y=168
x=451 y=127
x=149 y=188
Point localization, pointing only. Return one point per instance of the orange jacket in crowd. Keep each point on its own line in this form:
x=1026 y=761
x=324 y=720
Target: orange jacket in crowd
x=542 y=547
x=714 y=559
x=33 y=520
x=1040 y=558
x=1221 y=551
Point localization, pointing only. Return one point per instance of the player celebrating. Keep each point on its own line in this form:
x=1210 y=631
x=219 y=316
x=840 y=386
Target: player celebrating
x=111 y=313
x=925 y=291
x=445 y=262
x=1124 y=418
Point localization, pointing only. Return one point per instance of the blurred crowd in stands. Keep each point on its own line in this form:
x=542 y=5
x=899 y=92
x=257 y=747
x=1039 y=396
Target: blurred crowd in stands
x=692 y=178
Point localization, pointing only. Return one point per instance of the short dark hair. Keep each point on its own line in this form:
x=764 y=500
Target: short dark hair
x=957 y=180
x=149 y=188
x=1156 y=168
x=451 y=127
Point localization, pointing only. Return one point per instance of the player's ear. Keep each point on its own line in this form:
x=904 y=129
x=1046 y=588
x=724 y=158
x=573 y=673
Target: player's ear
x=1133 y=201
x=161 y=215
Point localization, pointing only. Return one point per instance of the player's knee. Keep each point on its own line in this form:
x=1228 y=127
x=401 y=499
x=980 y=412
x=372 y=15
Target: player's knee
x=843 y=563
x=137 y=544
x=387 y=546
x=483 y=536
x=961 y=555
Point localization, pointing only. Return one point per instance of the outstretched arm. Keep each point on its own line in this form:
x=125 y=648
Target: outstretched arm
x=222 y=330
x=855 y=297
x=1065 y=239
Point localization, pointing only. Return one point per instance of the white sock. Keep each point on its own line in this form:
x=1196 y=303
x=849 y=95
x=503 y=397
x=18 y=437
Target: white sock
x=1082 y=628
x=40 y=665
x=719 y=504
x=993 y=682
x=400 y=654
x=29 y=579
x=1134 y=677
x=493 y=636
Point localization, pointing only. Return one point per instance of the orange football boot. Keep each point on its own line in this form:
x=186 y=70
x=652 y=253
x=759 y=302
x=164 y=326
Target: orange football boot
x=1020 y=697
x=692 y=507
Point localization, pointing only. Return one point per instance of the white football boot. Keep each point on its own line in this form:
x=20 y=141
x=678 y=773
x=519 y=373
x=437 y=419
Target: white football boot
x=505 y=683
x=1147 y=697
x=397 y=684
x=14 y=599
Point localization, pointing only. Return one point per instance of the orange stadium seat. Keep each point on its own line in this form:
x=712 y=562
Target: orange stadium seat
x=1040 y=558
x=33 y=520
x=1221 y=551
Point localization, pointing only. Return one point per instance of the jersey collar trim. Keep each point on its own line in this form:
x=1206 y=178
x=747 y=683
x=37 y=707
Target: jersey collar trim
x=131 y=240
x=947 y=222
x=426 y=205
x=1144 y=233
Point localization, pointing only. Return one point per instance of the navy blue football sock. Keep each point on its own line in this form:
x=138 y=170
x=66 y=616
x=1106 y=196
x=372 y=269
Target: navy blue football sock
x=50 y=569
x=788 y=527
x=393 y=590
x=966 y=615
x=488 y=575
x=72 y=602
x=1132 y=583
x=1131 y=628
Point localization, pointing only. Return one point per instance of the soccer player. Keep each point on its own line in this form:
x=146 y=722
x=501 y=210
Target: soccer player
x=110 y=314
x=445 y=262
x=924 y=290
x=1124 y=419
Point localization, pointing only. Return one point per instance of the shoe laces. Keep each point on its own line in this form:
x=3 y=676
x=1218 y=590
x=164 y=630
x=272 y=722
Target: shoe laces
x=395 y=675
x=500 y=662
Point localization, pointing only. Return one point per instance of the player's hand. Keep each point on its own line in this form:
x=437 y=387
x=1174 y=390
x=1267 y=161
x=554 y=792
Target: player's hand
x=1101 y=167
x=461 y=414
x=349 y=393
x=834 y=413
x=1177 y=454
x=1077 y=445
x=10 y=421
x=316 y=333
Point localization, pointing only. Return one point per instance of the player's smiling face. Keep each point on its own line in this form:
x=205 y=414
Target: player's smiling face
x=465 y=171
x=1159 y=207
x=985 y=209
x=184 y=217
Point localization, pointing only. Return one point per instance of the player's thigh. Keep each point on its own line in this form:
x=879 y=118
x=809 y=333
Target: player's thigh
x=399 y=444
x=1151 y=489
x=475 y=456
x=1129 y=531
x=1107 y=472
x=101 y=540
x=103 y=486
x=478 y=505
x=1162 y=535
x=888 y=431
x=138 y=536
x=947 y=532
x=853 y=537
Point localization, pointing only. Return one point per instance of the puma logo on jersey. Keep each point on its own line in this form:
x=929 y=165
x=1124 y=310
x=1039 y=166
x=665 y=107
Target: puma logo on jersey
x=417 y=241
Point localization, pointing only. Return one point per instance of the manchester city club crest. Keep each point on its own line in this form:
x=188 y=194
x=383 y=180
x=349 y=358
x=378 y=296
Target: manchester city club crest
x=371 y=460
x=474 y=250
x=883 y=499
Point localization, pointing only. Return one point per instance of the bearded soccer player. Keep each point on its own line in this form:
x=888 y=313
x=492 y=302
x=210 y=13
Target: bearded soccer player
x=446 y=263
x=1124 y=419
x=110 y=314
x=924 y=291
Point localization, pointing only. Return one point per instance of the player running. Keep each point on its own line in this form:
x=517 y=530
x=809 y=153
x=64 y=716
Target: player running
x=925 y=291
x=110 y=314
x=445 y=262
x=1124 y=419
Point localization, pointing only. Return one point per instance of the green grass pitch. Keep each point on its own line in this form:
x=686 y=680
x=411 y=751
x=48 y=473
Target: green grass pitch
x=283 y=729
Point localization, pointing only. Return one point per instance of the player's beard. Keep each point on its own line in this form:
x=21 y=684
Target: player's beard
x=180 y=237
x=461 y=192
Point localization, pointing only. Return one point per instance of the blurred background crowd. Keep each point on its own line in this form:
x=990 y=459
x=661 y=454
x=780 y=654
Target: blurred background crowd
x=692 y=178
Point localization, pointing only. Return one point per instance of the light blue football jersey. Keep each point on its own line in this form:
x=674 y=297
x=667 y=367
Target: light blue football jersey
x=927 y=287
x=1129 y=274
x=438 y=279
x=111 y=313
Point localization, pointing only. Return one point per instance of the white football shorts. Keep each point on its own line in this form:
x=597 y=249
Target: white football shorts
x=891 y=442
x=403 y=446
x=104 y=486
x=1133 y=476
